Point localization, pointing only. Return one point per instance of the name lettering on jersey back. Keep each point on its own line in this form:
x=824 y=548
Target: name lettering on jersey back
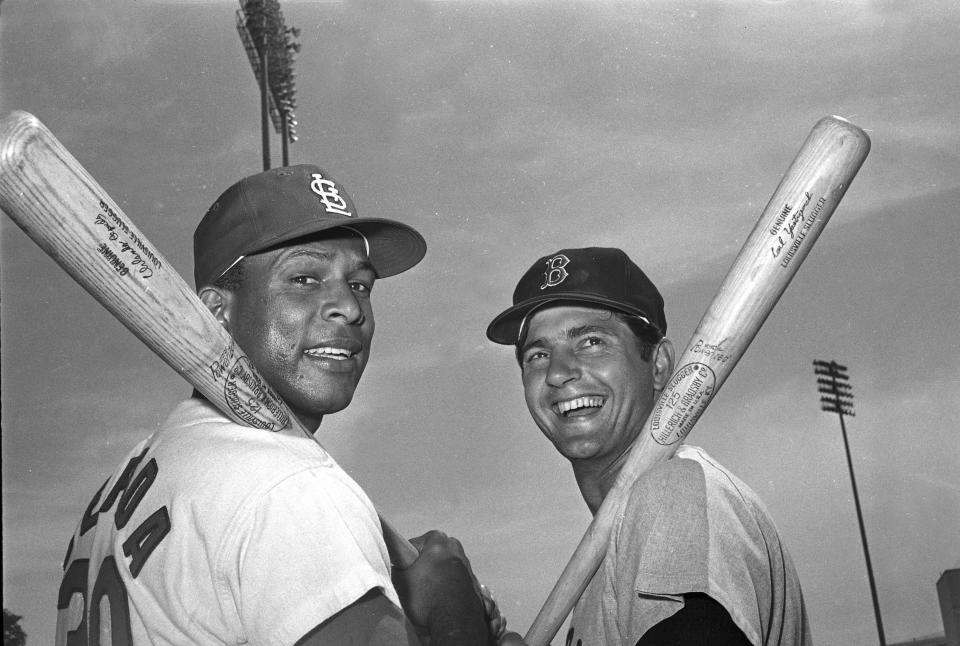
x=128 y=492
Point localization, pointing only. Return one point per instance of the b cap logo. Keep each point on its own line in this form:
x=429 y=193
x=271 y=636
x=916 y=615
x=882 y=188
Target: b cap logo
x=556 y=271
x=329 y=195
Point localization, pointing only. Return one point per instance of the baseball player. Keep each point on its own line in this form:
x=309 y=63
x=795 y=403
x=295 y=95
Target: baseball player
x=694 y=558
x=214 y=533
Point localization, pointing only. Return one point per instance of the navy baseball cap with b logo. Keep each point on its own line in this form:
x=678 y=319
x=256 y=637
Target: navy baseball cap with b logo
x=282 y=204
x=599 y=275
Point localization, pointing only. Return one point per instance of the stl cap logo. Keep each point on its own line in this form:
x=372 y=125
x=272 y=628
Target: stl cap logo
x=329 y=195
x=556 y=272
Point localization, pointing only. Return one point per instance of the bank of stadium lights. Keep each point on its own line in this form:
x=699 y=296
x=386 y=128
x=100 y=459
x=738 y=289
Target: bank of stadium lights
x=271 y=47
x=836 y=396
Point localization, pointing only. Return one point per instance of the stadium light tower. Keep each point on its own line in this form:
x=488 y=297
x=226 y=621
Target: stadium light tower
x=836 y=396
x=270 y=47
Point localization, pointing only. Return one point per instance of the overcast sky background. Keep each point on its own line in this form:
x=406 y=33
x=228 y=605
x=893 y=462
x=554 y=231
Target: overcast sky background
x=504 y=131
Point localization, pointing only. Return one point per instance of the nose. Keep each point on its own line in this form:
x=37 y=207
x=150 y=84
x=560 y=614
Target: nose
x=562 y=370
x=340 y=303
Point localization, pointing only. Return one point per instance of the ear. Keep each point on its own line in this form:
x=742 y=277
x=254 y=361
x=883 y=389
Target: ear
x=662 y=364
x=219 y=302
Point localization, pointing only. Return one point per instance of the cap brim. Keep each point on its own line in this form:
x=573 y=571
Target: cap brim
x=505 y=328
x=394 y=247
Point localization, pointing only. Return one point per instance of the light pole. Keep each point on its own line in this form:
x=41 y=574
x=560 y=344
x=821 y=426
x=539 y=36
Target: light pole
x=270 y=48
x=836 y=396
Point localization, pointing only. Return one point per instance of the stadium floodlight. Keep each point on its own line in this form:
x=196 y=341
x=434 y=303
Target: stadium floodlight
x=271 y=46
x=836 y=396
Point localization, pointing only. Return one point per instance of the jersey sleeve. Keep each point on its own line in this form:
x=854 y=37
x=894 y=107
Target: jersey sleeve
x=687 y=534
x=690 y=527
x=660 y=546
x=299 y=553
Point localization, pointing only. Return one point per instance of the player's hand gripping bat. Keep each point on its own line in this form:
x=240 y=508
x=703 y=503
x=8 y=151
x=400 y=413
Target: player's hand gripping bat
x=789 y=225
x=49 y=194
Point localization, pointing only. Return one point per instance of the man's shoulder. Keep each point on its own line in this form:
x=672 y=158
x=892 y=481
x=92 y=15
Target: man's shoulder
x=718 y=478
x=689 y=467
x=197 y=415
x=691 y=478
x=201 y=443
x=678 y=482
x=691 y=488
x=198 y=421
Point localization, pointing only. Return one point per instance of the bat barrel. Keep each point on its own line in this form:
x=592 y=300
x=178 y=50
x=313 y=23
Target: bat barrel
x=789 y=225
x=49 y=194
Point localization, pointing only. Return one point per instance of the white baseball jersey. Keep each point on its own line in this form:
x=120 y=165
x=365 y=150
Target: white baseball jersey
x=214 y=533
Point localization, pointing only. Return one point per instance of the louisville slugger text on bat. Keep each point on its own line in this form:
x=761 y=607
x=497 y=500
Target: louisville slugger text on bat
x=49 y=194
x=779 y=242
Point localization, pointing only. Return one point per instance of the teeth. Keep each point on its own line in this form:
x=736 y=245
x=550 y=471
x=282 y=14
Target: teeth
x=580 y=402
x=330 y=353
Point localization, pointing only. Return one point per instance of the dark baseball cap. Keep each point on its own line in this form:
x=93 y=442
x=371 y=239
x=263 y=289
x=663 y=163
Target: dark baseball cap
x=282 y=204
x=599 y=275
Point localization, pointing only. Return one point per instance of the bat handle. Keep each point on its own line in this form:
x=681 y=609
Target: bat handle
x=402 y=552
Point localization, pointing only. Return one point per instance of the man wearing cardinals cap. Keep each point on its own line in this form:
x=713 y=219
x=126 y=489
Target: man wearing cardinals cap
x=694 y=558
x=214 y=533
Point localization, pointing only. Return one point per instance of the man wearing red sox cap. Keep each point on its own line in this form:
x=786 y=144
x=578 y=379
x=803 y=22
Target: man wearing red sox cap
x=694 y=558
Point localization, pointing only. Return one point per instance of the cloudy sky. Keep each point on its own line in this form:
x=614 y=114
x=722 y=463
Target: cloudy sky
x=504 y=131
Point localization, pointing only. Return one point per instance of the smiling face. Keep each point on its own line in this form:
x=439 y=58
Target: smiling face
x=585 y=382
x=303 y=315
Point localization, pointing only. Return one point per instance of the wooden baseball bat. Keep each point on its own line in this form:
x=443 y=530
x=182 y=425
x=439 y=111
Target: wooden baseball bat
x=789 y=225
x=49 y=194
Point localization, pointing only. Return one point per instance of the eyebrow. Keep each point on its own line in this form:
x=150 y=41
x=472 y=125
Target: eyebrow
x=570 y=333
x=326 y=256
x=581 y=330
